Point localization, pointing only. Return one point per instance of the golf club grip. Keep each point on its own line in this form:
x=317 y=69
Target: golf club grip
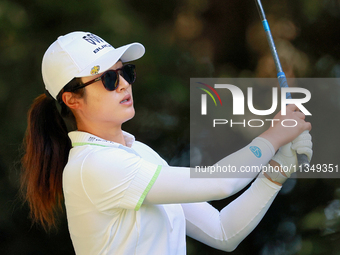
x=303 y=162
x=283 y=83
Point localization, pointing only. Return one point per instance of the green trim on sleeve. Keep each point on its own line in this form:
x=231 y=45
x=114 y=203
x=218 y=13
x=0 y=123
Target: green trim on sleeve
x=153 y=179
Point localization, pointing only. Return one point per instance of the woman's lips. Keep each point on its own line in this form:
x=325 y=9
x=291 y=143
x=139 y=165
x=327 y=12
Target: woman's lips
x=126 y=100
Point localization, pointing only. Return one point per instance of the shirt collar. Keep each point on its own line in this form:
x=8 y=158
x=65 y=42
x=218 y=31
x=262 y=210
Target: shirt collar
x=79 y=138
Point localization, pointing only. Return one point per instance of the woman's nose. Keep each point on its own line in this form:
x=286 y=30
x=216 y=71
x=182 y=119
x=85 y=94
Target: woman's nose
x=123 y=84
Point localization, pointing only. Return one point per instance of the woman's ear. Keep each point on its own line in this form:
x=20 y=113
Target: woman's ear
x=70 y=100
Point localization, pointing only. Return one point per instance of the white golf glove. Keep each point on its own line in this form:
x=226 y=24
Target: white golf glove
x=287 y=158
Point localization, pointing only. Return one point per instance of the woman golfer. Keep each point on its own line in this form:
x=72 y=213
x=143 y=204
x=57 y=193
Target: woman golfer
x=121 y=197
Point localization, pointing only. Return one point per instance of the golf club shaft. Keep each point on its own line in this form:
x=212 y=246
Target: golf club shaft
x=302 y=158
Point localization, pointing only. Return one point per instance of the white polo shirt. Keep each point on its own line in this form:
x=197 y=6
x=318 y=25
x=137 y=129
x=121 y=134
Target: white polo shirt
x=104 y=185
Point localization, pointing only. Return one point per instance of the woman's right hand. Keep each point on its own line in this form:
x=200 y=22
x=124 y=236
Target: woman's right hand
x=279 y=135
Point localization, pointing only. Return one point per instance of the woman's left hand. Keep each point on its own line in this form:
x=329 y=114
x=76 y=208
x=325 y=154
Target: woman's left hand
x=286 y=155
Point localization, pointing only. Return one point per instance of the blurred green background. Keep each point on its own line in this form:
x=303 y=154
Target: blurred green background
x=183 y=39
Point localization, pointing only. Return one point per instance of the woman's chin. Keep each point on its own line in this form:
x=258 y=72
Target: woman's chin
x=130 y=115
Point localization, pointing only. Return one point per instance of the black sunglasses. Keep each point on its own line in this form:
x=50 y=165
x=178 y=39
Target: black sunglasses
x=110 y=78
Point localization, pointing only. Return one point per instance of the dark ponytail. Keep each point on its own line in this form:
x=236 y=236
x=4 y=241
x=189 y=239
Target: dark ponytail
x=47 y=146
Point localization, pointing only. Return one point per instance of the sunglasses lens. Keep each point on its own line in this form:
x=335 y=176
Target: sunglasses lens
x=110 y=80
x=129 y=73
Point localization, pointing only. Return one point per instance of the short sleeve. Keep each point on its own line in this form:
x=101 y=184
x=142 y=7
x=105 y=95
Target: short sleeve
x=114 y=178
